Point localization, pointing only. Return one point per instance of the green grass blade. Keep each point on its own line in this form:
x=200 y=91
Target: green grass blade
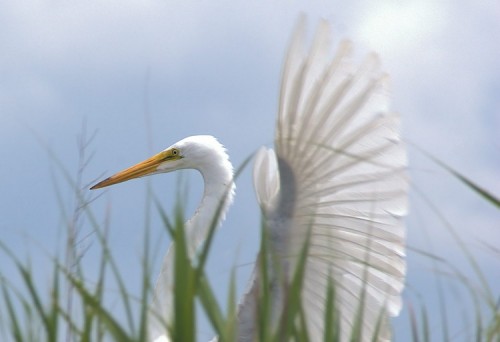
x=93 y=303
x=53 y=314
x=230 y=333
x=332 y=318
x=329 y=315
x=293 y=306
x=146 y=290
x=485 y=194
x=184 y=287
x=470 y=258
x=264 y=298
x=212 y=309
x=14 y=320
x=413 y=324
x=108 y=259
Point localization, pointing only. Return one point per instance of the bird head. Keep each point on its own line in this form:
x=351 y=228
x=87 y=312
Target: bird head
x=195 y=152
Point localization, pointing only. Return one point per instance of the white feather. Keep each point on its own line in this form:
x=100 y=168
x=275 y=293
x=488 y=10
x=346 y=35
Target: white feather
x=338 y=144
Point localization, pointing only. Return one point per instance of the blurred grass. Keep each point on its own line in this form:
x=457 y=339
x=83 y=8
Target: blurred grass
x=73 y=308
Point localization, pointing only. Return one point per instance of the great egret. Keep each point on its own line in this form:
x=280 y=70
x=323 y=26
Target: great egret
x=337 y=175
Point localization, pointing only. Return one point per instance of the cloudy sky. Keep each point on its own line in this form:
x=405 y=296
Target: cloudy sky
x=141 y=75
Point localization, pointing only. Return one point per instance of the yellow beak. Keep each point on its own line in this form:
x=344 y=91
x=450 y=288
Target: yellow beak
x=144 y=168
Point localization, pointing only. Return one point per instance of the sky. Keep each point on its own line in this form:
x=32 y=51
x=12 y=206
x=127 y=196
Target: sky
x=138 y=76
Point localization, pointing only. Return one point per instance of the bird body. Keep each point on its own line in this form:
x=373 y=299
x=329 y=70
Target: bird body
x=205 y=154
x=336 y=180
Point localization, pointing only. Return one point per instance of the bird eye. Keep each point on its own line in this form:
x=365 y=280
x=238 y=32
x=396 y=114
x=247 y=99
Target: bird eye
x=175 y=152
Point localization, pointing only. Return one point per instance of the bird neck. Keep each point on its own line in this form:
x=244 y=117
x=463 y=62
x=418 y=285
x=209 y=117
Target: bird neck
x=217 y=197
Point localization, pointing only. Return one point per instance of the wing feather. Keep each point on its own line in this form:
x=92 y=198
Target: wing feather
x=338 y=144
x=266 y=177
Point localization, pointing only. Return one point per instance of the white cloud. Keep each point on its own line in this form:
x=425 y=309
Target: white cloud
x=395 y=28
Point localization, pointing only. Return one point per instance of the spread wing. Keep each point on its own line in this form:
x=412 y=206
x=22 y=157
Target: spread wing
x=340 y=174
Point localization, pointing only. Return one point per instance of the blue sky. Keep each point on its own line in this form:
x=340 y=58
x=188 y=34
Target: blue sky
x=144 y=74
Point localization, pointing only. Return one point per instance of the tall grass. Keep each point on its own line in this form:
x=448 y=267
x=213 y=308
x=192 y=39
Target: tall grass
x=74 y=308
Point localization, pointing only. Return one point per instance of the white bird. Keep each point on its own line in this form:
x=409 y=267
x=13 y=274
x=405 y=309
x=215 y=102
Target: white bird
x=337 y=179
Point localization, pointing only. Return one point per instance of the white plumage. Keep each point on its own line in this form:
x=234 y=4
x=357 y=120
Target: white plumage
x=339 y=170
x=337 y=175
